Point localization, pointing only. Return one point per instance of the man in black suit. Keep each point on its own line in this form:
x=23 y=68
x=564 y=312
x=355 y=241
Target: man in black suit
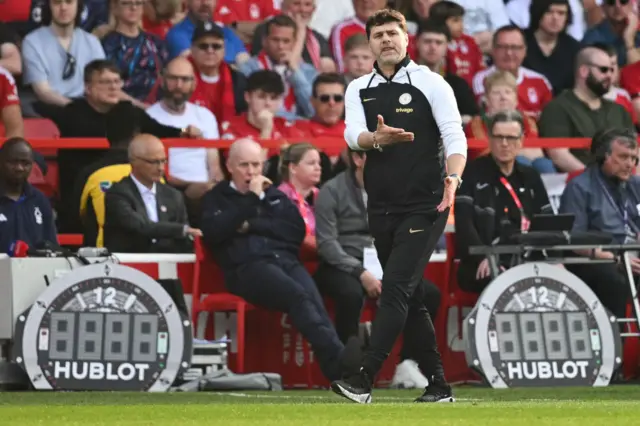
x=143 y=215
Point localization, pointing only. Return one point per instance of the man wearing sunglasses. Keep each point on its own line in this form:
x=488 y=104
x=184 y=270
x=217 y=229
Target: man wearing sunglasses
x=619 y=29
x=328 y=103
x=219 y=87
x=583 y=111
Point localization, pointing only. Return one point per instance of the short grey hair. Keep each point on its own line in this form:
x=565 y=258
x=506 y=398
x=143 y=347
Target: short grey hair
x=603 y=140
x=506 y=117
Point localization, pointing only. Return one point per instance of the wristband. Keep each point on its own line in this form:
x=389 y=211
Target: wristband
x=376 y=145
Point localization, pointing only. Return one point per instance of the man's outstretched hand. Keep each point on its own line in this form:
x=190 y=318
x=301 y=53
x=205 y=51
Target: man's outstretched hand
x=386 y=135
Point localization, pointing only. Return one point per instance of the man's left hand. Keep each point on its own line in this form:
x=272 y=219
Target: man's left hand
x=450 y=188
x=191 y=132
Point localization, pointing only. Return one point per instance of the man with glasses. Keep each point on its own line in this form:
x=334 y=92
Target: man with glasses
x=508 y=53
x=55 y=56
x=219 y=87
x=328 y=103
x=582 y=111
x=193 y=170
x=618 y=29
x=498 y=196
x=143 y=215
x=179 y=37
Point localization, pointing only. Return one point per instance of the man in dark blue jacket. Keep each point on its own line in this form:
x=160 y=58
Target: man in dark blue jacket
x=255 y=234
x=25 y=213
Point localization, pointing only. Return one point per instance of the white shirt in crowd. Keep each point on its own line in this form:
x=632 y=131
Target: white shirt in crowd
x=483 y=15
x=330 y=12
x=188 y=164
x=149 y=198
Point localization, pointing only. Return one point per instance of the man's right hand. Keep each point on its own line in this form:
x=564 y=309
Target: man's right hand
x=483 y=270
x=258 y=184
x=193 y=232
x=265 y=122
x=386 y=135
x=371 y=284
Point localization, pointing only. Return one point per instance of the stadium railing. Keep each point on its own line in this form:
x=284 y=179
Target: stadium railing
x=330 y=145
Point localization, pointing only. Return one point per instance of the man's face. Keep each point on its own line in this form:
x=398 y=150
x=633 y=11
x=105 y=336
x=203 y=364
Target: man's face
x=129 y=11
x=365 y=8
x=509 y=51
x=278 y=43
x=151 y=164
x=258 y=100
x=329 y=103
x=17 y=164
x=421 y=7
x=202 y=9
x=104 y=88
x=456 y=26
x=359 y=61
x=617 y=10
x=244 y=165
x=208 y=52
x=501 y=98
x=179 y=85
x=304 y=8
x=600 y=73
x=388 y=43
x=64 y=12
x=615 y=78
x=505 y=141
x=432 y=48
x=621 y=161
x=555 y=19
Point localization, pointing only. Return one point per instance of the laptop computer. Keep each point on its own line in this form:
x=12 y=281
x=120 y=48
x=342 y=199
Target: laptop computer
x=552 y=222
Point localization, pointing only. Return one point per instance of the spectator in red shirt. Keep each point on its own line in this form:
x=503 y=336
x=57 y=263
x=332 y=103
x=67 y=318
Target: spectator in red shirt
x=160 y=15
x=464 y=57
x=508 y=53
x=358 y=58
x=10 y=106
x=616 y=93
x=328 y=102
x=264 y=96
x=630 y=81
x=219 y=87
x=244 y=16
x=351 y=26
x=501 y=89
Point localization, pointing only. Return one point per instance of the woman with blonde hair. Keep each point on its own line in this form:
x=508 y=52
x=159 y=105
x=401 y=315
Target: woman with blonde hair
x=139 y=55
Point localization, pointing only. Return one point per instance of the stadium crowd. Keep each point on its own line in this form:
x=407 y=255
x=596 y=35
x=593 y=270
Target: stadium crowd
x=245 y=70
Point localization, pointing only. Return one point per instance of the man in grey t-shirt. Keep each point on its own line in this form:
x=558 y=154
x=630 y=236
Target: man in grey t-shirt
x=55 y=56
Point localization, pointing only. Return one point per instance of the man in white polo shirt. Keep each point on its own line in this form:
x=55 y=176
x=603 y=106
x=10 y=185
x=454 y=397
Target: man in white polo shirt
x=193 y=170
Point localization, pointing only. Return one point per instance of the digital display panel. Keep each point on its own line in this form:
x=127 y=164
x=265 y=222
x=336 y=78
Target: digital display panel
x=539 y=325
x=99 y=328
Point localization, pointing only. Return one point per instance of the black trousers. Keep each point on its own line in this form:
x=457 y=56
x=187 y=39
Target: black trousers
x=404 y=244
x=348 y=296
x=607 y=282
x=284 y=285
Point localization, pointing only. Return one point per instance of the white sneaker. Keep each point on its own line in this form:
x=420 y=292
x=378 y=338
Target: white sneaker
x=408 y=376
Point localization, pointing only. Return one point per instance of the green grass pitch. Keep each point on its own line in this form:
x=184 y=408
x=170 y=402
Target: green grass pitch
x=615 y=405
